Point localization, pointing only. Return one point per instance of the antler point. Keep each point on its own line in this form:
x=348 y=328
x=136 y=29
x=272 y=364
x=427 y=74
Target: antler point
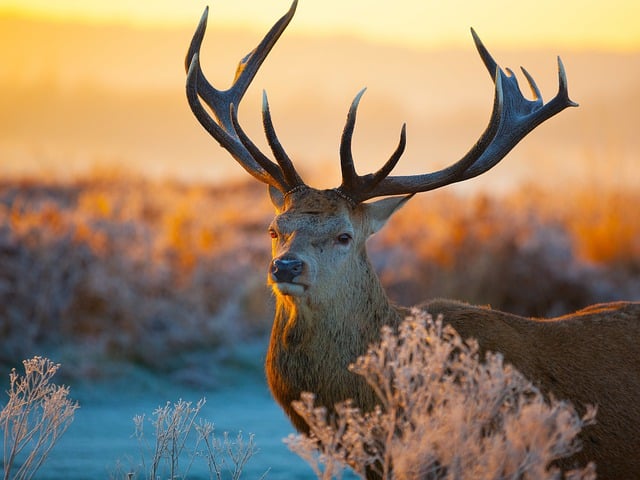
x=205 y=16
x=475 y=36
x=354 y=104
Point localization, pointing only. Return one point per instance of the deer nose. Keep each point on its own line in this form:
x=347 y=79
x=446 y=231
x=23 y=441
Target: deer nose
x=286 y=269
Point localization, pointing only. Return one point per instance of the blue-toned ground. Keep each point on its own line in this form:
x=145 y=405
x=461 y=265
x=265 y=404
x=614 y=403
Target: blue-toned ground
x=100 y=442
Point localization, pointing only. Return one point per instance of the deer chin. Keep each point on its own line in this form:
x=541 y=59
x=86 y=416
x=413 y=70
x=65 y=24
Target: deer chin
x=290 y=289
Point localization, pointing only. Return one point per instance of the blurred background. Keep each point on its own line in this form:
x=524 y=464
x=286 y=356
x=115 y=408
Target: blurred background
x=133 y=249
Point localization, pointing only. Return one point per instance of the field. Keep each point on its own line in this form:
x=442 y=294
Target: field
x=155 y=272
x=134 y=251
x=157 y=289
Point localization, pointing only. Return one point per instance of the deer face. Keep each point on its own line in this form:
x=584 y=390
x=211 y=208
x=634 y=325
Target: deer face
x=318 y=240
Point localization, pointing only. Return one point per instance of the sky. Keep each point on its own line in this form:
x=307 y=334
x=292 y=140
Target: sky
x=90 y=93
x=582 y=24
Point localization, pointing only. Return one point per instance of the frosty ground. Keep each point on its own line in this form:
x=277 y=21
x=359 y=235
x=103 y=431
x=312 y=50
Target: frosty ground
x=100 y=442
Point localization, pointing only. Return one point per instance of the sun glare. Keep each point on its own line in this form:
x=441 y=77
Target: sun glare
x=575 y=24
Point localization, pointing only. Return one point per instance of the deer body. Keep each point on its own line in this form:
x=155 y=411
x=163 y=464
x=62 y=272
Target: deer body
x=330 y=305
x=591 y=357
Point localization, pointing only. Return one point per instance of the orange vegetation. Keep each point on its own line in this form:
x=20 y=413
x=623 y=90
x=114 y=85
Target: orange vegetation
x=140 y=270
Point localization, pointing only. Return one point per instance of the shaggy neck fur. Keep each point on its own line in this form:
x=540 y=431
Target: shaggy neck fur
x=312 y=332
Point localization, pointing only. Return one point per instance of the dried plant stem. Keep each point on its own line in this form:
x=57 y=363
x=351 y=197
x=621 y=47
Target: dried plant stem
x=179 y=435
x=35 y=416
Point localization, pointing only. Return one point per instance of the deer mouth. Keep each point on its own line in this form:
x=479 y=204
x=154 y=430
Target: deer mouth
x=290 y=289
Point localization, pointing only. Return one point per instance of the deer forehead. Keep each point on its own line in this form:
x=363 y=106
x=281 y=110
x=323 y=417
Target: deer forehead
x=316 y=201
x=312 y=224
x=317 y=213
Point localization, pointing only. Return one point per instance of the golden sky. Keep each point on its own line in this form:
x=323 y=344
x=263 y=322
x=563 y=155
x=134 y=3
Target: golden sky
x=584 y=24
x=81 y=94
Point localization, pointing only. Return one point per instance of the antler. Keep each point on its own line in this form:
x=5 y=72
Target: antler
x=224 y=106
x=512 y=118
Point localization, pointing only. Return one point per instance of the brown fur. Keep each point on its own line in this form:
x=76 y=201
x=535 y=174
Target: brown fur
x=589 y=357
x=330 y=304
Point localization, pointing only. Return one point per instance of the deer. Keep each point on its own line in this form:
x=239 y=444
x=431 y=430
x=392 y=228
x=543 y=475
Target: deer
x=330 y=305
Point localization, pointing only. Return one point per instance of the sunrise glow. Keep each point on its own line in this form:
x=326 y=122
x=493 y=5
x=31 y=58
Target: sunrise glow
x=577 y=24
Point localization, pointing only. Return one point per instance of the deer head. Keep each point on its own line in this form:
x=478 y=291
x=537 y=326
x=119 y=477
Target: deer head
x=319 y=234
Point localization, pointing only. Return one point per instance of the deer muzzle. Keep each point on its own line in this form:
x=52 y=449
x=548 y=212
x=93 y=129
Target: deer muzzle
x=285 y=270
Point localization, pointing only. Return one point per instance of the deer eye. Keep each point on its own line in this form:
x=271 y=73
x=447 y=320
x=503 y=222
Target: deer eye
x=344 y=239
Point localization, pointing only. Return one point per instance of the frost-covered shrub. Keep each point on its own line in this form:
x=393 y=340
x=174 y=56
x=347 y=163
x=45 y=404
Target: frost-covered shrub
x=162 y=273
x=130 y=269
x=181 y=438
x=443 y=414
x=495 y=251
x=35 y=416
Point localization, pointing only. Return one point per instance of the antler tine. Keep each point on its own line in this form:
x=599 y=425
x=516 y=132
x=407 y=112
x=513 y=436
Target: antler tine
x=270 y=167
x=512 y=118
x=522 y=115
x=350 y=179
x=224 y=104
x=393 y=160
x=354 y=185
x=289 y=171
x=537 y=95
x=227 y=141
x=491 y=65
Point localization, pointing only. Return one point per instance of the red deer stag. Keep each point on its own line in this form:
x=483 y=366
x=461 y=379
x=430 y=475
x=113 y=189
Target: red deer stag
x=330 y=304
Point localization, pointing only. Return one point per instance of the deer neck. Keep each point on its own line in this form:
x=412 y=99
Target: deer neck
x=314 y=339
x=348 y=318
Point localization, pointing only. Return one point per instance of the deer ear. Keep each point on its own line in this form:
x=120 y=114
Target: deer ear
x=277 y=198
x=379 y=211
